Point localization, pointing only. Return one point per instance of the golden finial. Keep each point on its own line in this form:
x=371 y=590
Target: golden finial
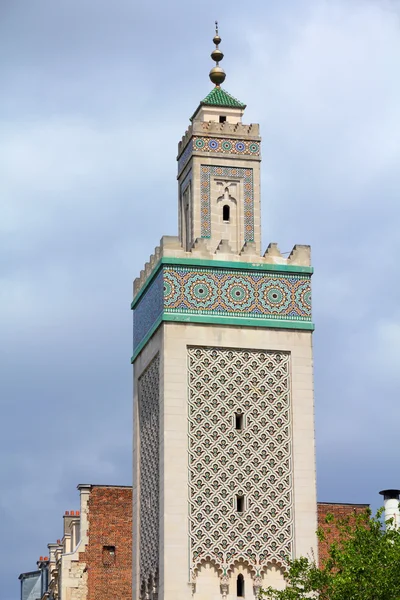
x=217 y=74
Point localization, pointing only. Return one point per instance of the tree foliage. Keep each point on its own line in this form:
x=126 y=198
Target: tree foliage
x=363 y=563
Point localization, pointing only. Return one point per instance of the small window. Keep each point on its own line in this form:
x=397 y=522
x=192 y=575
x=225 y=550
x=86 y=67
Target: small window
x=222 y=118
x=240 y=503
x=239 y=421
x=226 y=213
x=108 y=556
x=240 y=586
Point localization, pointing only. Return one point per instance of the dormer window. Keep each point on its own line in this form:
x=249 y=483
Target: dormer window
x=222 y=118
x=226 y=213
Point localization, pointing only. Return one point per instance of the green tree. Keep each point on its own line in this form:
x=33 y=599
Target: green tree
x=363 y=563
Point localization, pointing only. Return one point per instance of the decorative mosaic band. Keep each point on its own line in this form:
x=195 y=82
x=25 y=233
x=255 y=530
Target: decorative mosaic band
x=230 y=293
x=246 y=297
x=206 y=171
x=219 y=146
x=206 y=144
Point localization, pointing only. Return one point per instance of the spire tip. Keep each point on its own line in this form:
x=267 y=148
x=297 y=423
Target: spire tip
x=217 y=74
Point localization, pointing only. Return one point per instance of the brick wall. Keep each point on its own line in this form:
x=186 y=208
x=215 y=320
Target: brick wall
x=338 y=511
x=108 y=555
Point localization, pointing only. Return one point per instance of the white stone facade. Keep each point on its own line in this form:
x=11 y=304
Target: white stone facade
x=171 y=343
x=68 y=574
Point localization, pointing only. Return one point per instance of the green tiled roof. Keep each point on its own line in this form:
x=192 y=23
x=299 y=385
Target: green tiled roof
x=219 y=97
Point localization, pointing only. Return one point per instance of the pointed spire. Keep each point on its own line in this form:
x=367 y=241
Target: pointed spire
x=217 y=74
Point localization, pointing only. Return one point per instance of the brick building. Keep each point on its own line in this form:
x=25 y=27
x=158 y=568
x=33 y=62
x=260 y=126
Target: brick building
x=93 y=560
x=108 y=555
x=339 y=511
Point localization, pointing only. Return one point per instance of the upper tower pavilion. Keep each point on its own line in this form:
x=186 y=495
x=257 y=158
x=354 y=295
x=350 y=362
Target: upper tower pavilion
x=219 y=172
x=224 y=458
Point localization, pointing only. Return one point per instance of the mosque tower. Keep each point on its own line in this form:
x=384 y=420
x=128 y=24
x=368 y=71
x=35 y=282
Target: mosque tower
x=224 y=457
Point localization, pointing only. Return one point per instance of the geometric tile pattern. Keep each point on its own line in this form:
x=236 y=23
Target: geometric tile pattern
x=225 y=292
x=224 y=146
x=149 y=476
x=148 y=310
x=253 y=462
x=251 y=294
x=206 y=171
x=219 y=146
x=184 y=158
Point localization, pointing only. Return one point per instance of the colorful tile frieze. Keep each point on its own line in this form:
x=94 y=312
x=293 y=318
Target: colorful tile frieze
x=223 y=292
x=223 y=145
x=219 y=146
x=209 y=292
x=206 y=172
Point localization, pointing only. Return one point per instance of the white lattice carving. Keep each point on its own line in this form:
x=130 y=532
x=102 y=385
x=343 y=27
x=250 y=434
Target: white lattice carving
x=149 y=476
x=254 y=462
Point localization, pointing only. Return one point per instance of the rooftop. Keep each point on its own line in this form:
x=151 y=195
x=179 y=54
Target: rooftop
x=220 y=97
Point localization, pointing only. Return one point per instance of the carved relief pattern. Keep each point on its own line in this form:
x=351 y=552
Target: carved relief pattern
x=254 y=462
x=149 y=475
x=206 y=172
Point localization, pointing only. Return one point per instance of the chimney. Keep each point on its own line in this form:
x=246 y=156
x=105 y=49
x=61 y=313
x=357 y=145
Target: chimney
x=391 y=500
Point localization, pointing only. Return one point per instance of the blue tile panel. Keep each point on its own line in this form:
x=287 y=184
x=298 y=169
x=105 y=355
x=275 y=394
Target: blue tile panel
x=148 y=310
x=250 y=294
x=218 y=146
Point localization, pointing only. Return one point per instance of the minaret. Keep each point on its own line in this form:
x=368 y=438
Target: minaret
x=224 y=457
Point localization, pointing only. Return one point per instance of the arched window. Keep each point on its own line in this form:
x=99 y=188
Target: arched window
x=240 y=586
x=226 y=213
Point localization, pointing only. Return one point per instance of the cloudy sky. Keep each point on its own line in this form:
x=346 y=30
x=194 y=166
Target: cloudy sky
x=95 y=96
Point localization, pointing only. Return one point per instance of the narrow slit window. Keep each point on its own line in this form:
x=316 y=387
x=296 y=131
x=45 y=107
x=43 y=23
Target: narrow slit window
x=239 y=421
x=222 y=118
x=240 y=503
x=240 y=586
x=226 y=213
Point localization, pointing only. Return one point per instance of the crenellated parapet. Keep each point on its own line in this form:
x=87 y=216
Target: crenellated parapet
x=210 y=138
x=225 y=129
x=170 y=247
x=219 y=286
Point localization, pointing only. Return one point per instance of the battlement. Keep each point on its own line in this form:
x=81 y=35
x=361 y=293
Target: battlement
x=226 y=129
x=170 y=247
